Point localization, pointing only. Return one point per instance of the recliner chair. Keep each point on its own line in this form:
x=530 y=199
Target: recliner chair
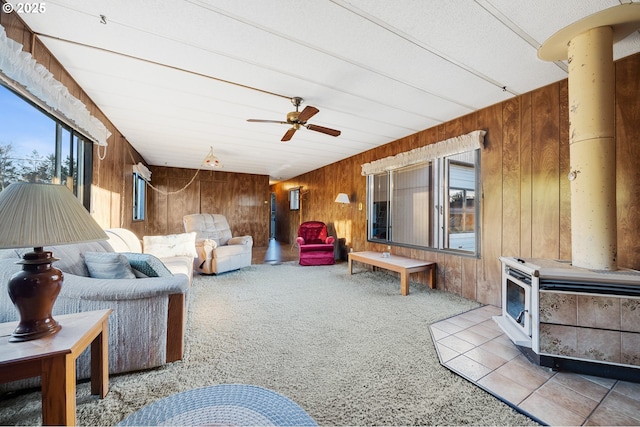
x=218 y=251
x=315 y=247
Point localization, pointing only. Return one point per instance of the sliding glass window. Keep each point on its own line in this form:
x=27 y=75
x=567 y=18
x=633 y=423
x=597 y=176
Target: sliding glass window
x=412 y=198
x=426 y=205
x=460 y=216
x=35 y=147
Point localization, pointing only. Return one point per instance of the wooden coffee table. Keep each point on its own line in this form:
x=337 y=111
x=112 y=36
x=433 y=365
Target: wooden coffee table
x=54 y=359
x=399 y=264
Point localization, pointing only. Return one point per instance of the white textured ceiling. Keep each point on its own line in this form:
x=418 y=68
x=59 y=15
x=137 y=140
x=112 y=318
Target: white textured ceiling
x=173 y=76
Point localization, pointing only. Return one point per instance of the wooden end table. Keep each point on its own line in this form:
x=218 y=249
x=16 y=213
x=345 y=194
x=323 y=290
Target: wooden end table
x=54 y=359
x=399 y=264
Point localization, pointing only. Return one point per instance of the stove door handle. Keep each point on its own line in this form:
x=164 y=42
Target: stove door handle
x=521 y=315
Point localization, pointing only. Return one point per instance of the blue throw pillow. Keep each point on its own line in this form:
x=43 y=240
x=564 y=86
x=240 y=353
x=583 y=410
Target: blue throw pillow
x=108 y=265
x=147 y=265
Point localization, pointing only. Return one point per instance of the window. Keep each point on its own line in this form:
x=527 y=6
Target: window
x=379 y=205
x=35 y=147
x=426 y=205
x=294 y=199
x=461 y=207
x=139 y=197
x=411 y=214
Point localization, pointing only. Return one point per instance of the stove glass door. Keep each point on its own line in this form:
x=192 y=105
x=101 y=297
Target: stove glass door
x=518 y=304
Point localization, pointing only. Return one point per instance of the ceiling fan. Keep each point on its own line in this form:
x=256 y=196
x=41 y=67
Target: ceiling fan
x=299 y=118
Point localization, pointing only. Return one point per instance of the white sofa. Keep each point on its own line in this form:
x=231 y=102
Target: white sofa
x=148 y=322
x=217 y=250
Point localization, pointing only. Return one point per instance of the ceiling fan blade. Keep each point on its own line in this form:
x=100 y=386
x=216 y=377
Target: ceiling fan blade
x=323 y=129
x=267 y=121
x=288 y=135
x=307 y=113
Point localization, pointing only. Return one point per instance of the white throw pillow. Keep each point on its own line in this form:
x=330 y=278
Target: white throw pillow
x=183 y=244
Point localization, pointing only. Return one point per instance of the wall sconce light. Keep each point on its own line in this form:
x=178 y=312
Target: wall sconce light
x=211 y=161
x=343 y=199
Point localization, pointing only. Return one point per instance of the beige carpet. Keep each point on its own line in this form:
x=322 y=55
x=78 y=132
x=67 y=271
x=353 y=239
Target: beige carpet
x=348 y=349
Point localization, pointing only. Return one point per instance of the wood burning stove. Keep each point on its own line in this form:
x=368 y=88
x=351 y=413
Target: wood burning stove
x=519 y=320
x=575 y=319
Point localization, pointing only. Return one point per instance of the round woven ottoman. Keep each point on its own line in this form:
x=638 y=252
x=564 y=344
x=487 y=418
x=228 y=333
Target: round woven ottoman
x=224 y=404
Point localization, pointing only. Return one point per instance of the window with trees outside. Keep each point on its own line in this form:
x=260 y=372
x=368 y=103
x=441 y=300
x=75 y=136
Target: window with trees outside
x=430 y=205
x=36 y=147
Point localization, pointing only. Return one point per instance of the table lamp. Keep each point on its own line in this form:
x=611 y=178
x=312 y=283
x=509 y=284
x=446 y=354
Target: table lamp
x=37 y=215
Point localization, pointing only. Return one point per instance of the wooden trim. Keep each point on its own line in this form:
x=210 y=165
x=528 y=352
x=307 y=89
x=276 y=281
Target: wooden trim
x=175 y=327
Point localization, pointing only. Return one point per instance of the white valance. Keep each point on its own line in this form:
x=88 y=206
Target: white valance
x=143 y=171
x=448 y=147
x=20 y=67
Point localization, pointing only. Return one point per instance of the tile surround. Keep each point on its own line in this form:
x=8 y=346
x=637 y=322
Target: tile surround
x=630 y=314
x=629 y=345
x=493 y=363
x=592 y=327
x=558 y=308
x=599 y=344
x=599 y=312
x=559 y=339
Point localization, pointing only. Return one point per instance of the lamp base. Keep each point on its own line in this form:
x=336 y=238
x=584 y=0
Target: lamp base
x=34 y=331
x=34 y=291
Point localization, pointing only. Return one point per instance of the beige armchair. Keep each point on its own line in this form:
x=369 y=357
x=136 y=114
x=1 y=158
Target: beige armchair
x=217 y=250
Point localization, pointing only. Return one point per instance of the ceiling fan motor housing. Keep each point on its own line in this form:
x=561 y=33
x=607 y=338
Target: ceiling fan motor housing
x=292 y=117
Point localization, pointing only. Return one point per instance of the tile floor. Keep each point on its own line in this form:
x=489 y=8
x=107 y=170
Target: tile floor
x=473 y=346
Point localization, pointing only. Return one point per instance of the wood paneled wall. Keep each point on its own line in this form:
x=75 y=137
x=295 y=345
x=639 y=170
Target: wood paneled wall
x=525 y=197
x=525 y=200
x=242 y=198
x=628 y=160
x=112 y=186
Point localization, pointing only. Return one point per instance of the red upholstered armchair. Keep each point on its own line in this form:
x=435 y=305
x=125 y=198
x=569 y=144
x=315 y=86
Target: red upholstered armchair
x=314 y=245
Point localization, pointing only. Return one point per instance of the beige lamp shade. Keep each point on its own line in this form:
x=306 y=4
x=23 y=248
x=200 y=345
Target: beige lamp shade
x=342 y=198
x=37 y=215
